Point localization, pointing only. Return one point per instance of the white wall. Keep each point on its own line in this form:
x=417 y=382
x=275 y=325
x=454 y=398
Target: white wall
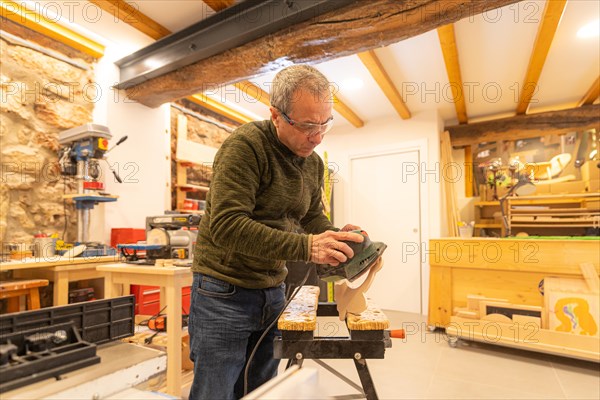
x=384 y=134
x=142 y=161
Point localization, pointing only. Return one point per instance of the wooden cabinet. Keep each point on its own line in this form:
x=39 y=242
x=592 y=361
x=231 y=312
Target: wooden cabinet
x=513 y=270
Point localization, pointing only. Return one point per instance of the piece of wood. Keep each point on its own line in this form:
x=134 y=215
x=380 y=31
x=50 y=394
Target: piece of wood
x=526 y=337
x=371 y=61
x=546 y=30
x=219 y=5
x=526 y=126
x=467 y=314
x=576 y=313
x=361 y=26
x=508 y=310
x=450 y=53
x=301 y=313
x=473 y=301
x=526 y=319
x=452 y=213
x=370 y=319
x=591 y=277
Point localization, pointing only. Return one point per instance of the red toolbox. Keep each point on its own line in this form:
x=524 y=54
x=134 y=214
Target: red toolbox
x=147 y=299
x=126 y=236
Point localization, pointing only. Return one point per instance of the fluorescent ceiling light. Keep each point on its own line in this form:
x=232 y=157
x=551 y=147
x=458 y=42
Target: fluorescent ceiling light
x=591 y=29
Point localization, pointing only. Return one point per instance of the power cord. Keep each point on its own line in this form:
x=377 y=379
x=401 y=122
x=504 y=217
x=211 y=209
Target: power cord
x=294 y=293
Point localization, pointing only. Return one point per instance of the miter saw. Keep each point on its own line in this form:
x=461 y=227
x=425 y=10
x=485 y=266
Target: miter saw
x=169 y=236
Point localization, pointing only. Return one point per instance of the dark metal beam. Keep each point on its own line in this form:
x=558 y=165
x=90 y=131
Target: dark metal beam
x=232 y=27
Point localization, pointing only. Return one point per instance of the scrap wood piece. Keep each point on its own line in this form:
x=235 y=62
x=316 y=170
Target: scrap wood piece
x=369 y=320
x=301 y=313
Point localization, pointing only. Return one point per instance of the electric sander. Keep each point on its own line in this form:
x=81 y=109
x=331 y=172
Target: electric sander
x=366 y=254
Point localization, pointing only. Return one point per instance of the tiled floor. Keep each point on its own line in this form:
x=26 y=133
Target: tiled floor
x=424 y=366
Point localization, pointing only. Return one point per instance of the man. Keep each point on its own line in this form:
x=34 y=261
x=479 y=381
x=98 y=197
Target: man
x=263 y=208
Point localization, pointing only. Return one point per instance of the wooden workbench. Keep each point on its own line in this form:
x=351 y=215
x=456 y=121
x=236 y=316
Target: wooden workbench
x=119 y=277
x=59 y=270
x=509 y=269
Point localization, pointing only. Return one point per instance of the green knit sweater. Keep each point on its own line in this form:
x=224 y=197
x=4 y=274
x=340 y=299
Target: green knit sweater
x=261 y=196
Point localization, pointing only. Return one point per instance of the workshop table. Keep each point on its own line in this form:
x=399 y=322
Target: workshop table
x=119 y=277
x=61 y=271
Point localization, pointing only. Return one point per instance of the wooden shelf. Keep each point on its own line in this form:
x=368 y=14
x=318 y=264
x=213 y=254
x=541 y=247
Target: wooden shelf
x=492 y=225
x=192 y=188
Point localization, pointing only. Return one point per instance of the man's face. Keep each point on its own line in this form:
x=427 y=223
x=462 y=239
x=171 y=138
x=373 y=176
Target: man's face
x=306 y=108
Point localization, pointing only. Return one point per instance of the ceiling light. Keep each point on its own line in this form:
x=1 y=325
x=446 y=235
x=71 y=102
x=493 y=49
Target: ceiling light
x=589 y=30
x=352 y=84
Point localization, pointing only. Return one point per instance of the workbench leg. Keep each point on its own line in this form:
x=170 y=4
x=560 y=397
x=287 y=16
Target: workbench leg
x=365 y=379
x=33 y=300
x=173 y=299
x=13 y=304
x=61 y=288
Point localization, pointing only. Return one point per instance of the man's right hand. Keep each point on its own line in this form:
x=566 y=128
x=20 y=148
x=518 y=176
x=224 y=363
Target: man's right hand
x=328 y=248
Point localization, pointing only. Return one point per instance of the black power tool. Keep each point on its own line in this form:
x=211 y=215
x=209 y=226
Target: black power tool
x=366 y=254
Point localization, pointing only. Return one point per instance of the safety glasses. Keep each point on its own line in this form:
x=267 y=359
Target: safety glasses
x=308 y=128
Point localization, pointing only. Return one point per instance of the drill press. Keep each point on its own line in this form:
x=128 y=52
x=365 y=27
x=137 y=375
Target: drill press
x=81 y=150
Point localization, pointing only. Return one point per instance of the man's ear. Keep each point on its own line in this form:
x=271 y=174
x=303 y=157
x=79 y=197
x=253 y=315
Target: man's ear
x=274 y=114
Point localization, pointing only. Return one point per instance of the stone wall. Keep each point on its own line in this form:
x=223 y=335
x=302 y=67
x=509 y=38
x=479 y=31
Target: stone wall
x=200 y=131
x=42 y=95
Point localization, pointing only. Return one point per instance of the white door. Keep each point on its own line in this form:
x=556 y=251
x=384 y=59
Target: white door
x=385 y=201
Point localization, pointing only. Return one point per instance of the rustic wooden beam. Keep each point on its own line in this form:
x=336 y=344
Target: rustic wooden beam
x=370 y=60
x=552 y=14
x=130 y=14
x=591 y=95
x=527 y=126
x=450 y=53
x=362 y=26
x=19 y=14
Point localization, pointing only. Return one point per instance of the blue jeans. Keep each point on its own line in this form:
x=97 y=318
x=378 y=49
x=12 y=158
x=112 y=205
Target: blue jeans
x=224 y=326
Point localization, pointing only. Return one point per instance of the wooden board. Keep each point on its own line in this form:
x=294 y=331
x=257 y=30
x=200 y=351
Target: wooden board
x=301 y=313
x=527 y=337
x=370 y=319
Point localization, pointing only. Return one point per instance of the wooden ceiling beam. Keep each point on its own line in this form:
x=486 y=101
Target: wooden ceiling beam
x=527 y=126
x=131 y=15
x=371 y=61
x=19 y=14
x=359 y=27
x=592 y=94
x=546 y=31
x=219 y=5
x=220 y=108
x=450 y=53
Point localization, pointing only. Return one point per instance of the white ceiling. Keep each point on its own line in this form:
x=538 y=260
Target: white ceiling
x=494 y=50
